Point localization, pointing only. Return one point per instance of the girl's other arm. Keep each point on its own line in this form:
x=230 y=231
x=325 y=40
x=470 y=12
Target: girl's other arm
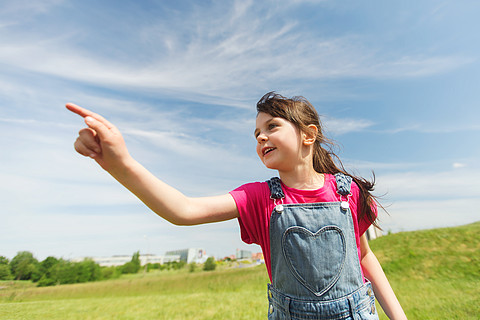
x=103 y=142
x=383 y=291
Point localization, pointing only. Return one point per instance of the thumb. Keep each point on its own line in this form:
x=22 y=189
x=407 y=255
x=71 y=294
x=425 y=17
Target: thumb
x=101 y=130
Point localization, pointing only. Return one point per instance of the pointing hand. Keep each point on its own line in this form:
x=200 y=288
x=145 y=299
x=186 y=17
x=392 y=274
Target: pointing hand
x=100 y=141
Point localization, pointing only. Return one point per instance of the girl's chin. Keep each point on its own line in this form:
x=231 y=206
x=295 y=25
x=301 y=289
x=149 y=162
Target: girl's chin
x=270 y=165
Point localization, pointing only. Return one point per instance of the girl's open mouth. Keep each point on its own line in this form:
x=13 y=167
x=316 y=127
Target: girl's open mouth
x=267 y=150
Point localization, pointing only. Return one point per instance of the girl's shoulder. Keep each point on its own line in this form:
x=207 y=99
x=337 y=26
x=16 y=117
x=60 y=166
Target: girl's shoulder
x=328 y=190
x=251 y=191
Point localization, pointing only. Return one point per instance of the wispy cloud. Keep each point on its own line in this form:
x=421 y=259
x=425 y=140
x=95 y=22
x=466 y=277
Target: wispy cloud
x=181 y=82
x=431 y=185
x=458 y=165
x=427 y=127
x=347 y=125
x=427 y=214
x=229 y=61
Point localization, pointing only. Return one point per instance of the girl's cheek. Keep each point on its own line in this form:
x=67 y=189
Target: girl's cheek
x=259 y=151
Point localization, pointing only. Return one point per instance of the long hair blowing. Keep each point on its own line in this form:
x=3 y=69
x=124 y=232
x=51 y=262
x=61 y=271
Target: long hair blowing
x=301 y=113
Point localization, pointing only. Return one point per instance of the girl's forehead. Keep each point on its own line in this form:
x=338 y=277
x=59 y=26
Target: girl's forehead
x=263 y=117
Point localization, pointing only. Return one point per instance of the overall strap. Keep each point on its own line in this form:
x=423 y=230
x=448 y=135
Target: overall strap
x=344 y=184
x=275 y=186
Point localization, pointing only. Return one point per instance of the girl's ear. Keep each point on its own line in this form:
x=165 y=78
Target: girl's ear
x=310 y=135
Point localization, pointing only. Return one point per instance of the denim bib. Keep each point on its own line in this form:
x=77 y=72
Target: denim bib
x=315 y=267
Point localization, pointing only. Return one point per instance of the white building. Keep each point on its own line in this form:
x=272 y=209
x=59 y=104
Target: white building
x=189 y=255
x=116 y=261
x=243 y=254
x=373 y=232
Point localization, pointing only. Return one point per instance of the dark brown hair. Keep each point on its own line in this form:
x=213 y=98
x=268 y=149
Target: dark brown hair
x=301 y=113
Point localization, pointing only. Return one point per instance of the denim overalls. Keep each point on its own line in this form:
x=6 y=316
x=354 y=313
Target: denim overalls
x=315 y=266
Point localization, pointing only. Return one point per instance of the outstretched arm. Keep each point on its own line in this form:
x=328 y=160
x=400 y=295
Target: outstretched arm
x=103 y=142
x=383 y=291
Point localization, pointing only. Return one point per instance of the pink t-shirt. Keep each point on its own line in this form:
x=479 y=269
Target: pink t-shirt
x=255 y=207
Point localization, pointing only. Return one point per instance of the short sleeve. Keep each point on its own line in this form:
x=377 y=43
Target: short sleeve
x=361 y=224
x=364 y=223
x=251 y=200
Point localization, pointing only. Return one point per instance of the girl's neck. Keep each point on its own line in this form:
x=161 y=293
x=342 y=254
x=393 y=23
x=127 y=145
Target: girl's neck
x=303 y=179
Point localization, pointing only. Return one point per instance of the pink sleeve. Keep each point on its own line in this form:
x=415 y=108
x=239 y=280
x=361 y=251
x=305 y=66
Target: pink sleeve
x=251 y=200
x=364 y=223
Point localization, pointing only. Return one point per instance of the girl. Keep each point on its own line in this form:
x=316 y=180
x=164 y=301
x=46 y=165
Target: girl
x=310 y=222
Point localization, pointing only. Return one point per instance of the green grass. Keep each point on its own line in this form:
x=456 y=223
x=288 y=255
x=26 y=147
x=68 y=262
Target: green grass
x=435 y=274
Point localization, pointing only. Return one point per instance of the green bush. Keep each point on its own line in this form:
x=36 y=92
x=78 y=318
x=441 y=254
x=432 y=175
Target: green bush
x=45 y=281
x=110 y=273
x=132 y=266
x=24 y=266
x=5 y=273
x=210 y=264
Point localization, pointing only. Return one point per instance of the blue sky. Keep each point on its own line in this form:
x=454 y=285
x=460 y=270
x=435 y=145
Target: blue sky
x=397 y=85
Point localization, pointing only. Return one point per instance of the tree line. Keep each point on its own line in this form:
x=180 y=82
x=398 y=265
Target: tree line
x=54 y=271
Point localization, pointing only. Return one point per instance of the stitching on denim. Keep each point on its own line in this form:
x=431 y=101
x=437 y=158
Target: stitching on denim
x=288 y=256
x=363 y=304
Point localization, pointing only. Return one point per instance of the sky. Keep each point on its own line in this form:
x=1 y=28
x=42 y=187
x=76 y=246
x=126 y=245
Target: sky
x=397 y=85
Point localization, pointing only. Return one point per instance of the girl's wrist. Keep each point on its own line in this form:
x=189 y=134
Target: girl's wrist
x=124 y=168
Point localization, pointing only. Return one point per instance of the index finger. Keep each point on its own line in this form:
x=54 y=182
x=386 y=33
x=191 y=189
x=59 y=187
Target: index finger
x=87 y=113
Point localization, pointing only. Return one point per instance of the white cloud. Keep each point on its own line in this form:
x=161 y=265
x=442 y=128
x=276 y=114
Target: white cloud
x=457 y=165
x=430 y=185
x=417 y=215
x=229 y=61
x=343 y=126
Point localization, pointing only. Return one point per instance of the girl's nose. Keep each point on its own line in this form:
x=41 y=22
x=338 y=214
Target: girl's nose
x=261 y=138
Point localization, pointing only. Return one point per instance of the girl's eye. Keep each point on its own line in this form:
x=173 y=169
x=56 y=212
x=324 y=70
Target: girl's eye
x=272 y=126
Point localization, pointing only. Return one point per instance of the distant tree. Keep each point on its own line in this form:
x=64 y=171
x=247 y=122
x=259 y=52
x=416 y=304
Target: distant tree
x=23 y=265
x=65 y=272
x=110 y=272
x=177 y=265
x=45 y=282
x=152 y=266
x=133 y=266
x=48 y=266
x=210 y=264
x=192 y=267
x=136 y=260
x=87 y=270
x=5 y=273
x=4 y=260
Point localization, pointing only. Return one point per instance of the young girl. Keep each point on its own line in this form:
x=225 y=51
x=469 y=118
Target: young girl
x=310 y=222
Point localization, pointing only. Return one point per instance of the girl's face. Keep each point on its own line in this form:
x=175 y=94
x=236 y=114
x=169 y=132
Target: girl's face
x=279 y=142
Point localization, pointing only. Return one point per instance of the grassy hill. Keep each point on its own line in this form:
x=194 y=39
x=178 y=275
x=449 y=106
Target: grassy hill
x=435 y=274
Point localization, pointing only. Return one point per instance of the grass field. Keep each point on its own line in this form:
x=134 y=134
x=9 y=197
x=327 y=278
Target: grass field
x=435 y=274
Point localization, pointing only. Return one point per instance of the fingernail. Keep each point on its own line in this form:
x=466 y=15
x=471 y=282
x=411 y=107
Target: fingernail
x=88 y=119
x=92 y=155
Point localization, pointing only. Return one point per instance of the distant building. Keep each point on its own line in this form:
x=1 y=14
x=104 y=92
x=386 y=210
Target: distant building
x=243 y=254
x=151 y=258
x=258 y=257
x=373 y=232
x=116 y=261
x=189 y=255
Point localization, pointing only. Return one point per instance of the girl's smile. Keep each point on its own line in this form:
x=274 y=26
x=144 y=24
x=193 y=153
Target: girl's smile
x=266 y=150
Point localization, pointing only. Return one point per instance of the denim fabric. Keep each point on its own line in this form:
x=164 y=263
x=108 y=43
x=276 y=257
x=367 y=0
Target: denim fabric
x=359 y=305
x=344 y=183
x=315 y=267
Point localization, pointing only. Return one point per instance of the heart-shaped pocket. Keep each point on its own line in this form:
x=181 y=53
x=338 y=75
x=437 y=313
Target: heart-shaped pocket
x=315 y=259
